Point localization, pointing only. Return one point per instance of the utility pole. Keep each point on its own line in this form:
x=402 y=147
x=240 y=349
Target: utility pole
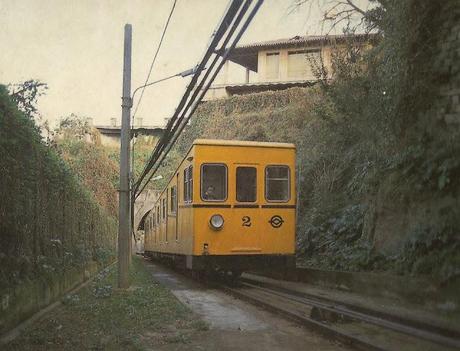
x=124 y=234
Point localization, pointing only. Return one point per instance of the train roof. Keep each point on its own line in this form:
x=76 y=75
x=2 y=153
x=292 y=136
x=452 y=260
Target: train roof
x=221 y=142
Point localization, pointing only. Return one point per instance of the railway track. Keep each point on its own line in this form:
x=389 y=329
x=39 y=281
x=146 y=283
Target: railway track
x=362 y=328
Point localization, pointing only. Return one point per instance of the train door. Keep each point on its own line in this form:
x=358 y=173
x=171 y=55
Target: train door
x=176 y=201
x=166 y=215
x=247 y=206
x=172 y=224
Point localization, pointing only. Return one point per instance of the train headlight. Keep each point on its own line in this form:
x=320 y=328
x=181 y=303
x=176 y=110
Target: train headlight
x=216 y=222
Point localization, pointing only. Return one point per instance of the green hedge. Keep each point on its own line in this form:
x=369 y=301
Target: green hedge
x=48 y=220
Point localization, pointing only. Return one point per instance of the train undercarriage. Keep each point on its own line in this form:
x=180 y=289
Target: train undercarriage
x=225 y=265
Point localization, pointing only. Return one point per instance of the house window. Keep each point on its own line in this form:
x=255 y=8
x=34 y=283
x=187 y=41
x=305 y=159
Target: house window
x=213 y=182
x=277 y=187
x=158 y=214
x=273 y=65
x=301 y=63
x=188 y=184
x=163 y=203
x=246 y=184
x=173 y=204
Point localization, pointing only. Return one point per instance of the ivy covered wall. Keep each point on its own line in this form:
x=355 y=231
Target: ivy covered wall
x=378 y=146
x=49 y=223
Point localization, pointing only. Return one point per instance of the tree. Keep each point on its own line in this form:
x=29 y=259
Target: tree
x=26 y=95
x=73 y=126
x=346 y=13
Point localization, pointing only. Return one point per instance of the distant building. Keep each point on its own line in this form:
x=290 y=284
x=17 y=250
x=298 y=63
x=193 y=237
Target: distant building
x=110 y=135
x=279 y=64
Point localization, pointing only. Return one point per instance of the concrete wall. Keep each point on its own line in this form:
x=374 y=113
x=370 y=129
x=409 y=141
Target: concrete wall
x=111 y=140
x=30 y=297
x=142 y=206
x=216 y=92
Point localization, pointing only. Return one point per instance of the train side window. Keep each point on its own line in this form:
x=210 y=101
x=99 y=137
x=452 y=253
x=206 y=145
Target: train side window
x=173 y=204
x=246 y=184
x=213 y=182
x=185 y=185
x=188 y=184
x=277 y=185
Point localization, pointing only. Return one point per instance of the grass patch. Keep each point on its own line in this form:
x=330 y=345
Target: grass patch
x=101 y=317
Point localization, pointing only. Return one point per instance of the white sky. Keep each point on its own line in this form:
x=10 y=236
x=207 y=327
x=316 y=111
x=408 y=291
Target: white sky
x=76 y=47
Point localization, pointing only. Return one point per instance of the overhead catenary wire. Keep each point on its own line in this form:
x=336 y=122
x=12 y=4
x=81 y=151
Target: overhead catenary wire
x=224 y=24
x=180 y=126
x=203 y=91
x=193 y=102
x=146 y=83
x=216 y=37
x=176 y=125
x=165 y=28
x=222 y=27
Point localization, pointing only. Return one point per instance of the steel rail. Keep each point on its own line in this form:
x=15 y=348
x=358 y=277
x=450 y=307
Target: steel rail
x=298 y=317
x=338 y=308
x=415 y=324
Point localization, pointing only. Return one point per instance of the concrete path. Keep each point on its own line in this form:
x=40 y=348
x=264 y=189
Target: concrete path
x=235 y=324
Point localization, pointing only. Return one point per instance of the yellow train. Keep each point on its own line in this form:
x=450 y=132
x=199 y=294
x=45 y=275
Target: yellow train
x=230 y=206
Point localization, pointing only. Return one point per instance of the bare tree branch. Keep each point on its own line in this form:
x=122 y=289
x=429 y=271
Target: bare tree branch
x=356 y=8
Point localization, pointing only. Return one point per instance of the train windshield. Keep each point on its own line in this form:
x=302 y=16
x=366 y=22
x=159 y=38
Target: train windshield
x=246 y=184
x=277 y=185
x=214 y=182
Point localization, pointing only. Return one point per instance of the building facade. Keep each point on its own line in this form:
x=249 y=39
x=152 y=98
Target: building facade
x=280 y=64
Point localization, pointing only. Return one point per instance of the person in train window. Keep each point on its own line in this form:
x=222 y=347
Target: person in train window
x=210 y=193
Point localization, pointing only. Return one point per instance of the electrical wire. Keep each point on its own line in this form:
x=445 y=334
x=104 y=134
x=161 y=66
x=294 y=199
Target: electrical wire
x=215 y=39
x=165 y=28
x=203 y=92
x=192 y=102
x=217 y=35
x=180 y=119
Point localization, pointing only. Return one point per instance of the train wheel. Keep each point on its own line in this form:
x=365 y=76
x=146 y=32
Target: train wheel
x=233 y=277
x=236 y=274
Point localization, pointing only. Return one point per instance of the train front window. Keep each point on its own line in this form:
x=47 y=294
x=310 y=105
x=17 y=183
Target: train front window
x=246 y=184
x=277 y=185
x=214 y=182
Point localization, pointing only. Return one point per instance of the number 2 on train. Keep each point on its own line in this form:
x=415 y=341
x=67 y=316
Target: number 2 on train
x=246 y=221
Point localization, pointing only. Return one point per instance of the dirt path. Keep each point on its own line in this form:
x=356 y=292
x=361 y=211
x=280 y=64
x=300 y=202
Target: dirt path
x=235 y=324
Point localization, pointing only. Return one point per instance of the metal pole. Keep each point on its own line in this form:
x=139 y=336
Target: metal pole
x=124 y=193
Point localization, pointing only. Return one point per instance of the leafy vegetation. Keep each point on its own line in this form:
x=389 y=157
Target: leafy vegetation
x=102 y=317
x=383 y=194
x=378 y=165
x=49 y=221
x=79 y=146
x=25 y=95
